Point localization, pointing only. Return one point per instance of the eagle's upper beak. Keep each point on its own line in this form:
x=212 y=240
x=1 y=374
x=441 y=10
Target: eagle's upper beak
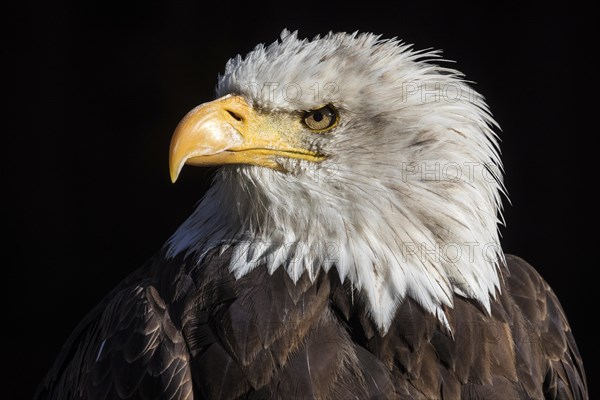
x=229 y=131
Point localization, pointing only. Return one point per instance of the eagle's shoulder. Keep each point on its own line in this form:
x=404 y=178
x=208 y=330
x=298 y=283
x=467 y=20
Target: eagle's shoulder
x=128 y=345
x=523 y=348
x=546 y=333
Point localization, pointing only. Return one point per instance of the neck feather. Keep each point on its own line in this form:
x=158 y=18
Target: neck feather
x=389 y=245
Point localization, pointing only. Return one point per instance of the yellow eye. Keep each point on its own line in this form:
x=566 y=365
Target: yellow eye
x=322 y=119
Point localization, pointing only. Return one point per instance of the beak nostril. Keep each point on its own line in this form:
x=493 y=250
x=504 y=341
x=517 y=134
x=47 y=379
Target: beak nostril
x=234 y=115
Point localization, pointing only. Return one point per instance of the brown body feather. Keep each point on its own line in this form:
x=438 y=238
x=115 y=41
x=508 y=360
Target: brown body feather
x=176 y=330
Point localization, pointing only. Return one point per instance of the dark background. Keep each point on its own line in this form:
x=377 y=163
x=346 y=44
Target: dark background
x=96 y=89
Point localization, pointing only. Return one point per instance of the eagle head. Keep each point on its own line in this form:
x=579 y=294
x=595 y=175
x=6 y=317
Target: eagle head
x=348 y=152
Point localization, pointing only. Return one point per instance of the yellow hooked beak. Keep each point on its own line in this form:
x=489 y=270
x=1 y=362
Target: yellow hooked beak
x=229 y=131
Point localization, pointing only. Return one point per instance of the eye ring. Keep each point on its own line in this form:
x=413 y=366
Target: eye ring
x=322 y=119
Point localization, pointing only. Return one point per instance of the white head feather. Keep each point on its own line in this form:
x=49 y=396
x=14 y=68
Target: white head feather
x=407 y=202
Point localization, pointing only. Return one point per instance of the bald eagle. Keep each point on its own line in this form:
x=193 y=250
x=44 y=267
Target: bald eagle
x=347 y=249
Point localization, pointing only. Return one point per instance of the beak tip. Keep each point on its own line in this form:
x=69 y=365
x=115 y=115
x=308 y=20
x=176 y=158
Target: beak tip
x=174 y=171
x=174 y=175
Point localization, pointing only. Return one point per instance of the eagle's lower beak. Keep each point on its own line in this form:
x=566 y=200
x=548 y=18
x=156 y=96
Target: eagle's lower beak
x=229 y=131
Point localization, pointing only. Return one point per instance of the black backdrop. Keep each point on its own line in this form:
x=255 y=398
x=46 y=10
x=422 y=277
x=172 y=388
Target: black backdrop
x=96 y=89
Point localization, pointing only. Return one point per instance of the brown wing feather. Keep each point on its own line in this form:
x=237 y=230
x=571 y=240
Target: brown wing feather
x=547 y=333
x=127 y=347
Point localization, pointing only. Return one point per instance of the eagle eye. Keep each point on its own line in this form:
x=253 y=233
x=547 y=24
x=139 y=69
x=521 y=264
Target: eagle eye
x=322 y=119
